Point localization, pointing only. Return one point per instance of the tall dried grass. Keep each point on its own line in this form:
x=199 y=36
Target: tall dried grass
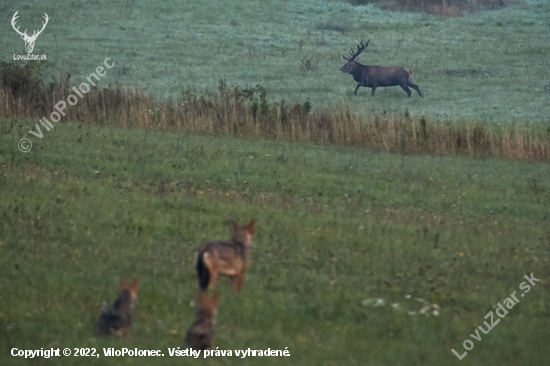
x=247 y=112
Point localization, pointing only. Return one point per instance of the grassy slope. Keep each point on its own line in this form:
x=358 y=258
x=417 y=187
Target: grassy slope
x=489 y=66
x=336 y=226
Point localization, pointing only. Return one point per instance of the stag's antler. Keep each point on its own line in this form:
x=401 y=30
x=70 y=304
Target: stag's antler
x=43 y=26
x=15 y=16
x=352 y=55
x=24 y=34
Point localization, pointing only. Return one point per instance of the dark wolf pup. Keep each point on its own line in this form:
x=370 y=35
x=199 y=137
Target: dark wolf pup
x=118 y=319
x=228 y=258
x=200 y=334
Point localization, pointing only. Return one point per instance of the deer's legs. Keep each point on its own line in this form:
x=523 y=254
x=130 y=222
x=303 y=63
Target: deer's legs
x=407 y=90
x=415 y=87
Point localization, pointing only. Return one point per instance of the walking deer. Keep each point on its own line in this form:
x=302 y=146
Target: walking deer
x=375 y=76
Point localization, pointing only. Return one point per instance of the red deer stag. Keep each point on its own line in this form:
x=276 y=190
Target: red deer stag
x=375 y=76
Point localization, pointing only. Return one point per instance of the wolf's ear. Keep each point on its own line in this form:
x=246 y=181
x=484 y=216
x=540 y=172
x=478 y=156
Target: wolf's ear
x=134 y=286
x=206 y=300
x=250 y=226
x=214 y=300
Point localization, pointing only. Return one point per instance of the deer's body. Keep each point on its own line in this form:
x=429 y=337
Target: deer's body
x=375 y=76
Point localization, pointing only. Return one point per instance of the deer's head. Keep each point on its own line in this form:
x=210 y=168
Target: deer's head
x=351 y=58
x=29 y=40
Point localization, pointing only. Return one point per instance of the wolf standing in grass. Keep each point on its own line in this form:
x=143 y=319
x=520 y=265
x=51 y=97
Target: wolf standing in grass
x=228 y=258
x=200 y=334
x=118 y=319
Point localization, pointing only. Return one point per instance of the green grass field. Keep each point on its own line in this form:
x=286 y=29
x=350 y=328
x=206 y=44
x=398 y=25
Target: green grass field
x=335 y=228
x=347 y=240
x=490 y=65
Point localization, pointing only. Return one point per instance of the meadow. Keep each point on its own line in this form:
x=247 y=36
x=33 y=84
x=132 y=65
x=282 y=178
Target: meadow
x=337 y=228
x=382 y=239
x=488 y=65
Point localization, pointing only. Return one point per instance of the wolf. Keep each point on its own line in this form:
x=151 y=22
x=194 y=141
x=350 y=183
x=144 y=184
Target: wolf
x=229 y=258
x=200 y=334
x=118 y=319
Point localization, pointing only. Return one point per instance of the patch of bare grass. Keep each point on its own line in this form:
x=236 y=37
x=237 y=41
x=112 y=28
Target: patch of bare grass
x=439 y=7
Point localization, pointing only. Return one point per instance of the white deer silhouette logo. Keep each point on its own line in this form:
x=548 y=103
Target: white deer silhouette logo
x=29 y=41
